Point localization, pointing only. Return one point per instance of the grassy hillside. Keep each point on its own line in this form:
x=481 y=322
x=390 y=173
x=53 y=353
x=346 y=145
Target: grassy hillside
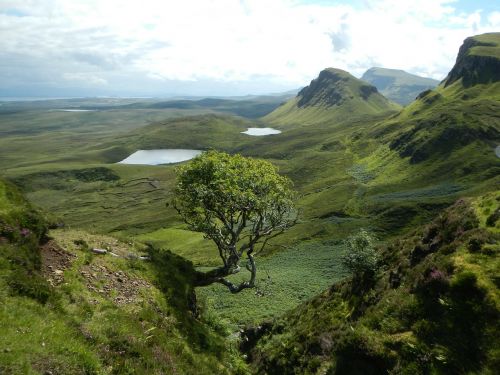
x=387 y=174
x=334 y=97
x=397 y=85
x=432 y=308
x=66 y=310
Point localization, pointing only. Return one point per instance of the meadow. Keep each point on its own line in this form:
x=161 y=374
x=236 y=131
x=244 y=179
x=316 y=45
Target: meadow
x=345 y=175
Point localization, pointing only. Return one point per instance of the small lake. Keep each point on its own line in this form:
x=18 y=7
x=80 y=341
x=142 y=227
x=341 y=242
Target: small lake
x=156 y=157
x=261 y=131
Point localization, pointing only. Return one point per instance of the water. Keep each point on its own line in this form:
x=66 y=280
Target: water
x=156 y=157
x=261 y=131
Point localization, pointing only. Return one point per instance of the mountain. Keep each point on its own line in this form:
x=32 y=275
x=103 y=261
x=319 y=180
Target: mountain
x=458 y=118
x=397 y=85
x=433 y=306
x=478 y=61
x=335 y=96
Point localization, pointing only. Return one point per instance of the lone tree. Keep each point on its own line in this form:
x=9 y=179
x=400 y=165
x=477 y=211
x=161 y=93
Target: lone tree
x=239 y=203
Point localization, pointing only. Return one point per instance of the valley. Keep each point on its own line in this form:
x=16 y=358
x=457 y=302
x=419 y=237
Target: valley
x=356 y=160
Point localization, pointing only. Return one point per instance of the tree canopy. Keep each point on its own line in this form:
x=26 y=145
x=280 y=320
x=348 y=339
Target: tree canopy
x=237 y=202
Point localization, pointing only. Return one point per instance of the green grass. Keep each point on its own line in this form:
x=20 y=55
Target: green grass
x=109 y=315
x=349 y=171
x=284 y=280
x=437 y=313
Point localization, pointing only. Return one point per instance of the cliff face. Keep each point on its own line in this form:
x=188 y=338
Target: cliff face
x=478 y=61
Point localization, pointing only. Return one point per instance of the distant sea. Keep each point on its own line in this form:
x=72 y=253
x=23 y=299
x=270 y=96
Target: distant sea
x=36 y=98
x=31 y=99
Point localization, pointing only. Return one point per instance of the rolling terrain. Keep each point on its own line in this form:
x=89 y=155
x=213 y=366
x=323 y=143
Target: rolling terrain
x=397 y=85
x=357 y=160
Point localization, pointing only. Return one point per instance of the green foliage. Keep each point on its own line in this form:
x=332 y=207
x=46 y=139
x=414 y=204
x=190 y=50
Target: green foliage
x=436 y=315
x=215 y=189
x=238 y=203
x=360 y=255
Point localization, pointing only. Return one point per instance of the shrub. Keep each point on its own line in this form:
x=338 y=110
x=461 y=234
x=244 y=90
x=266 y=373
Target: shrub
x=360 y=256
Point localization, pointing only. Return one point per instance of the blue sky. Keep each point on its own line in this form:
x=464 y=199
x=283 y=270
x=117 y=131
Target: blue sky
x=223 y=47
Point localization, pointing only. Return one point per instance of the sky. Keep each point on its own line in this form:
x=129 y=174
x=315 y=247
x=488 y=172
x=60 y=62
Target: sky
x=70 y=48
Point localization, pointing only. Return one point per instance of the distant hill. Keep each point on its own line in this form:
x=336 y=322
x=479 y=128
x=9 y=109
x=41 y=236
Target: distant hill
x=462 y=113
x=433 y=306
x=398 y=85
x=253 y=107
x=335 y=96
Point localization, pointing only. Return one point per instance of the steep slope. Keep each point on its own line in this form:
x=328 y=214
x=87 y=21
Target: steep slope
x=452 y=131
x=478 y=61
x=65 y=310
x=434 y=305
x=432 y=308
x=335 y=96
x=397 y=85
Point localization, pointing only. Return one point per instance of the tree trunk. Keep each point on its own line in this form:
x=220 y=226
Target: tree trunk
x=218 y=275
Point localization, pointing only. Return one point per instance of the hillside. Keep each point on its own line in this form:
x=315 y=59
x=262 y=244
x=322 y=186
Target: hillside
x=454 y=129
x=335 y=97
x=432 y=308
x=356 y=160
x=66 y=310
x=397 y=85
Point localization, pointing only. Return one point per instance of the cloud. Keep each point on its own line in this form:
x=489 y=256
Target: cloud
x=107 y=43
x=85 y=78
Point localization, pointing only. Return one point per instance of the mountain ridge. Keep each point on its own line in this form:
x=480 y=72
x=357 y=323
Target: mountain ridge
x=335 y=96
x=397 y=85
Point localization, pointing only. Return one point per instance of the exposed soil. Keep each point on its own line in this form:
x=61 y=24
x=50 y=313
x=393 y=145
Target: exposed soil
x=116 y=285
x=54 y=261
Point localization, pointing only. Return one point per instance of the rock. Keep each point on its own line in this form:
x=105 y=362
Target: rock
x=99 y=251
x=58 y=272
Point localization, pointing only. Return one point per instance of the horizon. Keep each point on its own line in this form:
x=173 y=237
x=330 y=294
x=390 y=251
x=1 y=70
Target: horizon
x=164 y=49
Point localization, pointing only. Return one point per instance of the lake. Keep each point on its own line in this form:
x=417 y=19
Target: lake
x=261 y=131
x=156 y=157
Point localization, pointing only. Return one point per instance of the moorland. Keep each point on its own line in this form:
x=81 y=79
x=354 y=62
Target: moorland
x=422 y=178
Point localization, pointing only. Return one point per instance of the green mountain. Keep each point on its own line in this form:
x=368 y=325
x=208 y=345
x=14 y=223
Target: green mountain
x=397 y=85
x=357 y=161
x=434 y=304
x=478 y=61
x=335 y=96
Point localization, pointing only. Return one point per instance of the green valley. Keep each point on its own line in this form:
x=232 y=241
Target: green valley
x=422 y=179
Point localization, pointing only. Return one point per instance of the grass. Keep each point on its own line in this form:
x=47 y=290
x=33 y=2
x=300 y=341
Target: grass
x=284 y=280
x=433 y=314
x=379 y=170
x=97 y=314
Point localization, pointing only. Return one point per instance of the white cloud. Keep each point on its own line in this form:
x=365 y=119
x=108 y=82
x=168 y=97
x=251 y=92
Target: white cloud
x=286 y=41
x=84 y=78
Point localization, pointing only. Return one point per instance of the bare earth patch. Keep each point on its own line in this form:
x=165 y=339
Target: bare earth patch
x=54 y=261
x=117 y=285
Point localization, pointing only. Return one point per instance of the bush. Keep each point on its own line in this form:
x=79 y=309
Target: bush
x=360 y=256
